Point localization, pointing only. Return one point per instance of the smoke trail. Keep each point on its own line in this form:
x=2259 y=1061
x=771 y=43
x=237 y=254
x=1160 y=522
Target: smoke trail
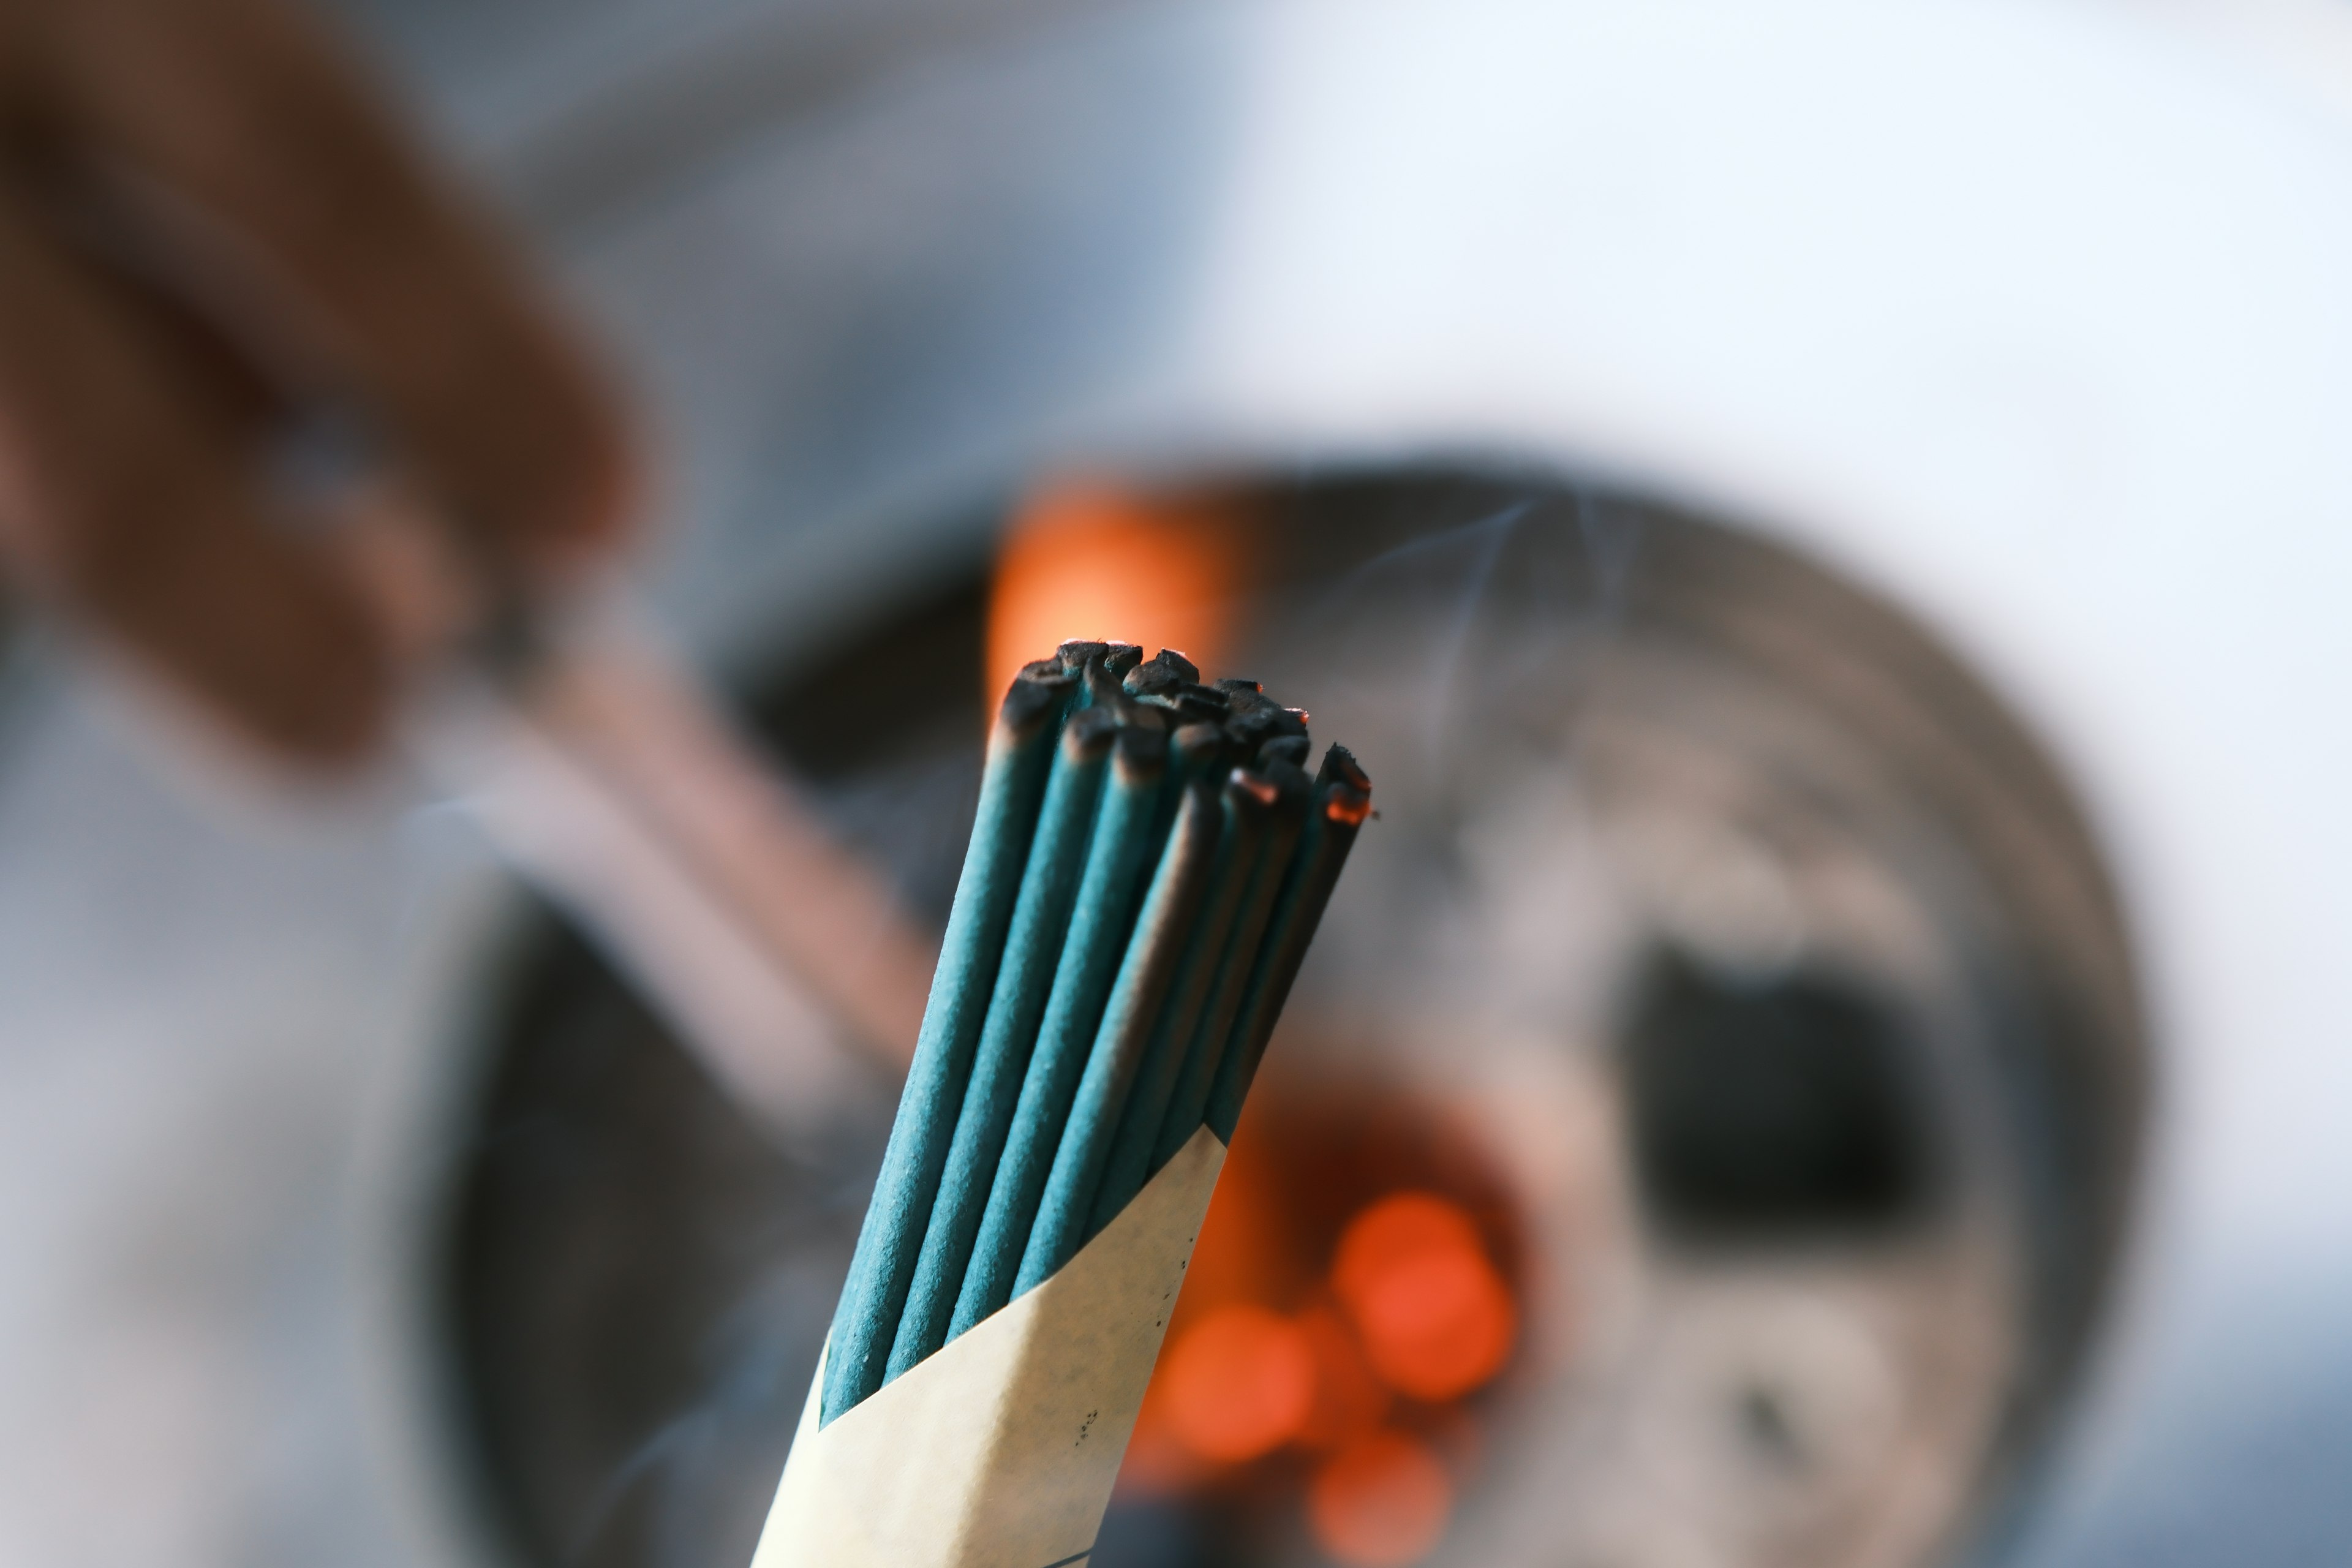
x=1490 y=534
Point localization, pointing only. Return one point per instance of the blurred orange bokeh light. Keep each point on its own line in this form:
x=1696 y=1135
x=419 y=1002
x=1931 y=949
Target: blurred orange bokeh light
x=1380 y=1502
x=1435 y=1318
x=1086 y=558
x=1239 y=1383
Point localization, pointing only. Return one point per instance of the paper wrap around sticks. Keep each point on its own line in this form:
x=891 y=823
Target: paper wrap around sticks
x=1000 y=1450
x=1148 y=864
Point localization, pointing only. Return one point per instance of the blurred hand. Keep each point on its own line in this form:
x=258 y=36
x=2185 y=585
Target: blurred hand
x=207 y=221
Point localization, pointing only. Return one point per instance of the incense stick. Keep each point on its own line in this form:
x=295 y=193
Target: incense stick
x=1118 y=860
x=1133 y=912
x=1188 y=1101
x=1245 y=806
x=1343 y=799
x=1128 y=1022
x=1033 y=947
x=1020 y=749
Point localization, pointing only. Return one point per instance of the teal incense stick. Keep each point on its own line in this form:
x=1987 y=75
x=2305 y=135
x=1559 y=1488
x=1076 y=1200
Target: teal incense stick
x=1033 y=949
x=1020 y=753
x=1119 y=859
x=1245 y=806
x=1343 y=800
x=1128 y=1020
x=1188 y=1101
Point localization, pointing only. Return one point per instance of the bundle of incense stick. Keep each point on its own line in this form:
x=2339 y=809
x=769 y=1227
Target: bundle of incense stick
x=1148 y=864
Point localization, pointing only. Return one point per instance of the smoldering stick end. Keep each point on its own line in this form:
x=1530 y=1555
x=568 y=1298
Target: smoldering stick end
x=1140 y=753
x=1289 y=778
x=1251 y=792
x=1104 y=691
x=1340 y=766
x=1030 y=702
x=1254 y=727
x=1165 y=674
x=1088 y=734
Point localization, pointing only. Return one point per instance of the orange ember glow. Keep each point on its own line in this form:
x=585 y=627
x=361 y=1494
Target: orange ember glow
x=1349 y=1399
x=1380 y=1502
x=1085 y=559
x=1239 y=1383
x=1350 y=1292
x=1435 y=1318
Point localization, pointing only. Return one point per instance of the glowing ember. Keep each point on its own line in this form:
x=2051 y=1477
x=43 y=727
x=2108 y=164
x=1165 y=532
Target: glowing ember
x=1435 y=1318
x=1084 y=559
x=1239 y=1383
x=1380 y=1502
x=1349 y=1400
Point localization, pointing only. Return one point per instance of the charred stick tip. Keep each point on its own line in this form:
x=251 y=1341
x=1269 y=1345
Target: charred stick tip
x=1255 y=728
x=1339 y=767
x=1089 y=734
x=1140 y=755
x=1347 y=807
x=1249 y=790
x=1288 y=777
x=1170 y=672
x=1290 y=750
x=1031 y=703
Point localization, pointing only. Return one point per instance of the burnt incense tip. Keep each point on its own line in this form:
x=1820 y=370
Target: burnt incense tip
x=1104 y=690
x=1291 y=749
x=1207 y=696
x=1139 y=755
x=1346 y=806
x=1193 y=741
x=1203 y=751
x=1252 y=791
x=1077 y=653
x=1252 y=727
x=1164 y=676
x=1244 y=697
x=1089 y=735
x=1104 y=687
x=1028 y=704
x=1118 y=658
x=1290 y=778
x=1339 y=767
x=1189 y=707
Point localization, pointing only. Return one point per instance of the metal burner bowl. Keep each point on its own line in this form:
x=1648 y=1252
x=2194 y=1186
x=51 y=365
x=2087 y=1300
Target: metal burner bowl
x=1722 y=944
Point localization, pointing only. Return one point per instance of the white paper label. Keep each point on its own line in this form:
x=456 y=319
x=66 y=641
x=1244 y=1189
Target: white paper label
x=1000 y=1450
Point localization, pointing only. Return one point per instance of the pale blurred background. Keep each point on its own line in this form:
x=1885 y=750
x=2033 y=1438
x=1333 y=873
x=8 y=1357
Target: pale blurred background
x=1825 y=524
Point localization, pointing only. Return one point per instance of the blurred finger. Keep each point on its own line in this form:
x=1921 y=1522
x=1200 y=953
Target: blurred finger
x=130 y=494
x=246 y=109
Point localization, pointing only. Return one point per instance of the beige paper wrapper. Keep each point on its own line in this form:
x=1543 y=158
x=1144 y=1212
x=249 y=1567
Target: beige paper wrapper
x=1000 y=1449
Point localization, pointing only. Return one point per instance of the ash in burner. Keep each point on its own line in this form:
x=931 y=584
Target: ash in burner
x=1772 y=1107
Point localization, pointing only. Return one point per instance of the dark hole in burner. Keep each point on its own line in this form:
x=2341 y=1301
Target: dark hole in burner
x=1770 y=1106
